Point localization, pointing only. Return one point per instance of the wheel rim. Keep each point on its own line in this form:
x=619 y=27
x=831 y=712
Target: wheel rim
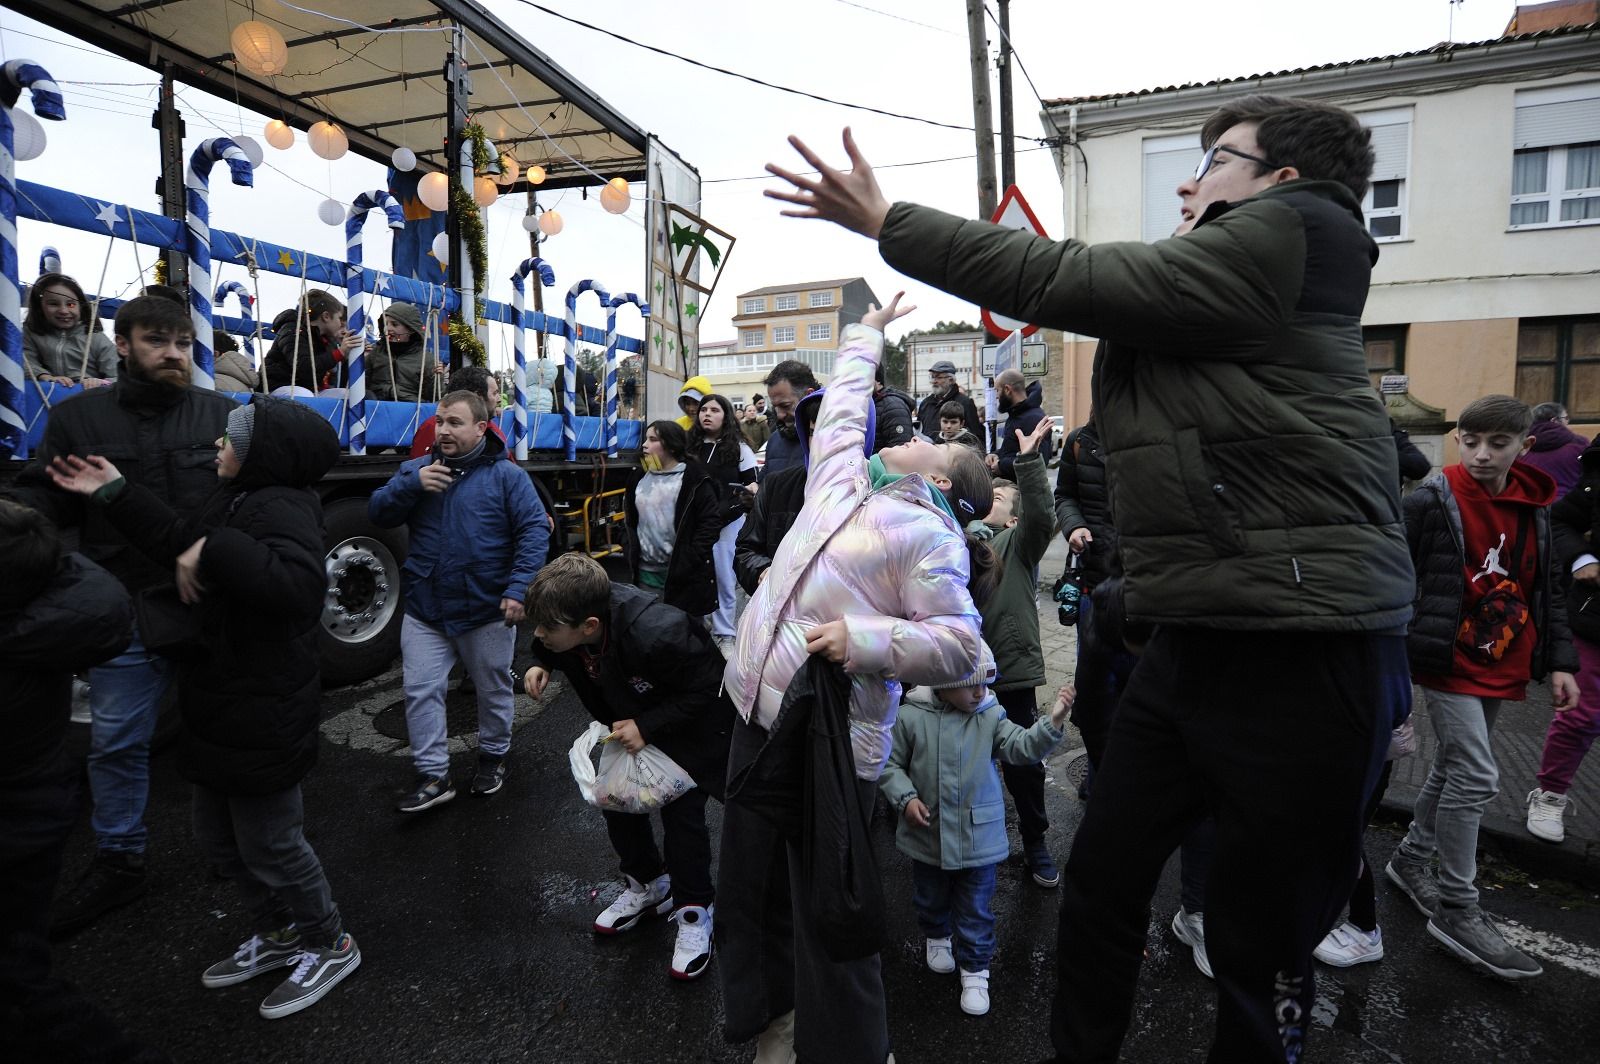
x=361 y=596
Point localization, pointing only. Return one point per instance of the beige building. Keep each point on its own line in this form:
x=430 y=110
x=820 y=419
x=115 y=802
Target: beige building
x=799 y=321
x=1485 y=203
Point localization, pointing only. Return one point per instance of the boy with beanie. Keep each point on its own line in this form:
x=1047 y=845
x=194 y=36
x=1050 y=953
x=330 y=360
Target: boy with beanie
x=941 y=779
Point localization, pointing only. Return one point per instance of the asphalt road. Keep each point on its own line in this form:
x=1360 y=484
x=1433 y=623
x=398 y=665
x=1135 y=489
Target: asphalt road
x=473 y=920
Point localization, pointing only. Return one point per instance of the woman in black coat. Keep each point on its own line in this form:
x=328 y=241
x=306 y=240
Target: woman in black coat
x=249 y=569
x=669 y=548
x=716 y=441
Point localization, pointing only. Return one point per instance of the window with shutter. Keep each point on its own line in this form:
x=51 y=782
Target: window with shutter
x=1555 y=162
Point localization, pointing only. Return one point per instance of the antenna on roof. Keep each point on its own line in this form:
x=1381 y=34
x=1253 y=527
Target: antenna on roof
x=1450 y=34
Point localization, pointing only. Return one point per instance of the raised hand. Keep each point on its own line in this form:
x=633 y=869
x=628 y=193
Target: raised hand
x=1028 y=444
x=850 y=198
x=879 y=318
x=82 y=476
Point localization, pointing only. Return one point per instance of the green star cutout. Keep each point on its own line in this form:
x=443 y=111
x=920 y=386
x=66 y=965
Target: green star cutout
x=658 y=339
x=672 y=346
x=660 y=288
x=691 y=309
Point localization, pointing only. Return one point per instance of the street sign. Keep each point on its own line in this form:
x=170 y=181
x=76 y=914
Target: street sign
x=1035 y=359
x=1013 y=213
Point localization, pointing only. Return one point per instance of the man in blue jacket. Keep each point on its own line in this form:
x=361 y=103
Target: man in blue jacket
x=478 y=536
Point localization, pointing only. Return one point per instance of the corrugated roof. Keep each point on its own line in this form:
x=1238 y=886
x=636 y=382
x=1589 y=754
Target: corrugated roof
x=1438 y=49
x=838 y=282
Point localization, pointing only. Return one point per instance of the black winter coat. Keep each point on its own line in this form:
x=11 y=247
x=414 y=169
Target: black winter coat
x=1414 y=465
x=1433 y=532
x=697 y=521
x=893 y=419
x=163 y=439
x=1024 y=416
x=721 y=459
x=82 y=617
x=317 y=368
x=1082 y=501
x=251 y=703
x=659 y=668
x=928 y=413
x=1574 y=520
x=777 y=505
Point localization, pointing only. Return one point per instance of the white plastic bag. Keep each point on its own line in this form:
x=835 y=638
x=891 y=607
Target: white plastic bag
x=624 y=782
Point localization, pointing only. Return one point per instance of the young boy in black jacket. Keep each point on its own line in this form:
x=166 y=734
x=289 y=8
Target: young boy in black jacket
x=650 y=673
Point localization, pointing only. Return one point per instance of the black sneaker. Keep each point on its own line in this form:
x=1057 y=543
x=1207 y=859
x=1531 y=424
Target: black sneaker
x=262 y=953
x=431 y=791
x=491 y=775
x=112 y=881
x=1036 y=858
x=317 y=970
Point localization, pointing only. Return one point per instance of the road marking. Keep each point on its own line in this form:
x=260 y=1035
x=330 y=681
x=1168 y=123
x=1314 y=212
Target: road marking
x=1552 y=948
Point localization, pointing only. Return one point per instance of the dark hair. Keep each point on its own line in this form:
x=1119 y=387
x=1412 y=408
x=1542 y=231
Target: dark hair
x=1323 y=142
x=971 y=490
x=165 y=291
x=319 y=303
x=673 y=439
x=730 y=428
x=36 y=320
x=1548 y=412
x=877 y=373
x=983 y=570
x=471 y=379
x=1011 y=488
x=222 y=343
x=953 y=409
x=568 y=591
x=152 y=312
x=797 y=373
x=473 y=401
x=32 y=550
x=1495 y=413
x=758 y=398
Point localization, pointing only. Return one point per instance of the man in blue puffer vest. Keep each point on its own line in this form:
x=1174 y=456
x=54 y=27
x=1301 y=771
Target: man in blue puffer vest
x=478 y=536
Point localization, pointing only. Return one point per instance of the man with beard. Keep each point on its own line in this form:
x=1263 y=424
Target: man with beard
x=788 y=383
x=1019 y=401
x=162 y=434
x=942 y=374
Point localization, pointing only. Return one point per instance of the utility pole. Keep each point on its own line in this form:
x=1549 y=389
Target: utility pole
x=983 y=121
x=1008 y=141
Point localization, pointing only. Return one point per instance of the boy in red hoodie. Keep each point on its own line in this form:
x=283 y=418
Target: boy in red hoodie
x=1489 y=617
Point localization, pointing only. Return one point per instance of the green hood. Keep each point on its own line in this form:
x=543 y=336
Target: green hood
x=882 y=478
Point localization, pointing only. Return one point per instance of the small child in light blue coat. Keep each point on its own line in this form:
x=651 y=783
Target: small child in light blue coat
x=941 y=778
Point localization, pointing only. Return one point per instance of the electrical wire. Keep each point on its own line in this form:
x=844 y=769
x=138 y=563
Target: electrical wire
x=900 y=18
x=876 y=166
x=1015 y=55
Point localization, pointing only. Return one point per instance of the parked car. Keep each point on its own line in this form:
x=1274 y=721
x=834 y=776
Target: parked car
x=1058 y=433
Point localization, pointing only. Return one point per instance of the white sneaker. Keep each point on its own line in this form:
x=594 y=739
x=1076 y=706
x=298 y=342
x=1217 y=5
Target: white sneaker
x=1545 y=810
x=975 y=993
x=691 y=956
x=775 y=1045
x=1348 y=945
x=636 y=903
x=1191 y=931
x=941 y=955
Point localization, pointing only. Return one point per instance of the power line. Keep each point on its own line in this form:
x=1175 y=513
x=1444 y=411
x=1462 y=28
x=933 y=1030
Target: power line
x=1018 y=57
x=752 y=79
x=876 y=166
x=900 y=18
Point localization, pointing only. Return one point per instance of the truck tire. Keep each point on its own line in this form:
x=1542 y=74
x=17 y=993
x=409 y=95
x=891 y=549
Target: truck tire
x=362 y=614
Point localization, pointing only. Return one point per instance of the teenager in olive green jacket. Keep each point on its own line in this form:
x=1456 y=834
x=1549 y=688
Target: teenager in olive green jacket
x=1020 y=527
x=1252 y=483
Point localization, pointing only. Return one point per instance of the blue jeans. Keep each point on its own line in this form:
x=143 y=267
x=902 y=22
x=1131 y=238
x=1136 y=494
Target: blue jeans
x=957 y=900
x=124 y=698
x=428 y=655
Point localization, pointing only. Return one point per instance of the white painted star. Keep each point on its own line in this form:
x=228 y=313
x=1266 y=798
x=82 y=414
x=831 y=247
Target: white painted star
x=109 y=215
x=382 y=284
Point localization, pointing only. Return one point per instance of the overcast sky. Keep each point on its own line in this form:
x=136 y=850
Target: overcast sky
x=908 y=56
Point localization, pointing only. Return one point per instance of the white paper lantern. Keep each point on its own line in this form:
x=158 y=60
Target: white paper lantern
x=29 y=139
x=259 y=48
x=509 y=169
x=404 y=159
x=484 y=191
x=328 y=141
x=331 y=211
x=434 y=191
x=251 y=148
x=530 y=222
x=536 y=174
x=279 y=134
x=550 y=223
x=441 y=248
x=614 y=196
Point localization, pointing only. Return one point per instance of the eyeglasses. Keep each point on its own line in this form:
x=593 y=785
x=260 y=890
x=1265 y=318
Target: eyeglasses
x=1211 y=154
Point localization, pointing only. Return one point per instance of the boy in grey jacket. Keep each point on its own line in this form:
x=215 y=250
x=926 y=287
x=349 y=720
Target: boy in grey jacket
x=942 y=780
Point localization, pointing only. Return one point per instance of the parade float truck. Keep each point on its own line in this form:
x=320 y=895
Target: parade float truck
x=339 y=79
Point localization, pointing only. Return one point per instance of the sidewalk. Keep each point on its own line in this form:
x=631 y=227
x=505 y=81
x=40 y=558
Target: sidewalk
x=1518 y=744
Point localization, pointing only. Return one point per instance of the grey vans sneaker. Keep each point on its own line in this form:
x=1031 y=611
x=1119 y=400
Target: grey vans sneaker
x=262 y=953
x=1416 y=881
x=1470 y=934
x=317 y=970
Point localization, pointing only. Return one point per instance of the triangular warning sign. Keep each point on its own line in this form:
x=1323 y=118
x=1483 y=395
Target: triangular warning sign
x=1013 y=213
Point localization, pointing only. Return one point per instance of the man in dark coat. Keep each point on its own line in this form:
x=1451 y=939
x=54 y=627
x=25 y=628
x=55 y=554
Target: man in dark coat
x=790 y=381
x=942 y=375
x=249 y=564
x=893 y=414
x=777 y=505
x=1020 y=402
x=161 y=432
x=58 y=613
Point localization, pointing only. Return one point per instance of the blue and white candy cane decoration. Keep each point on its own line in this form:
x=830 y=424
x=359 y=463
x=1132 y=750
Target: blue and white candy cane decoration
x=15 y=76
x=569 y=426
x=246 y=302
x=197 y=191
x=49 y=260
x=519 y=373
x=355 y=395
x=611 y=362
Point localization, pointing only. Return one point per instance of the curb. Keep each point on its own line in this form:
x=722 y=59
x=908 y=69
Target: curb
x=1576 y=859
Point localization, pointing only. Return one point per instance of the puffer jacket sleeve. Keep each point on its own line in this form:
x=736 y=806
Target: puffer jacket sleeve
x=936 y=638
x=270 y=556
x=1069 y=512
x=838 y=443
x=1221 y=291
x=750 y=557
x=1038 y=524
x=391 y=505
x=1558 y=655
x=82 y=618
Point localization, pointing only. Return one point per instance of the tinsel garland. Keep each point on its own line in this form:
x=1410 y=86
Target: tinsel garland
x=462 y=336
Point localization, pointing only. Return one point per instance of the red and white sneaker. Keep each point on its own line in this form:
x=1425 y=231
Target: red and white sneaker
x=691 y=956
x=637 y=902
